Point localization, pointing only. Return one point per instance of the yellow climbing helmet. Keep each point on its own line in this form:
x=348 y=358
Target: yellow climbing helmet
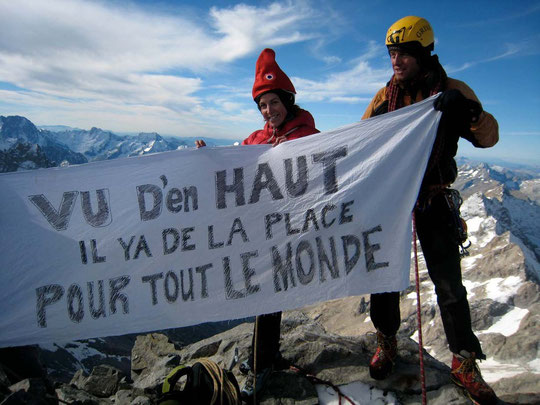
x=411 y=29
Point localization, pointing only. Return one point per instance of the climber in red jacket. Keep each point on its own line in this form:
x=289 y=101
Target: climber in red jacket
x=274 y=94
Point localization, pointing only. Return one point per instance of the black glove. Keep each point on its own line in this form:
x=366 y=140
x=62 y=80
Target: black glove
x=454 y=103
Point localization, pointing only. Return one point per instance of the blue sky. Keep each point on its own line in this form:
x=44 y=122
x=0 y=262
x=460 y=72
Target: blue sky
x=186 y=68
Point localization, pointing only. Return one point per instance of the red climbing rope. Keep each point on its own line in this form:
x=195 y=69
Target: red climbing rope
x=419 y=316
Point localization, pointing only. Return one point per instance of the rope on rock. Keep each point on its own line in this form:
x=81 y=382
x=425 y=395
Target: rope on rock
x=316 y=380
x=255 y=354
x=419 y=315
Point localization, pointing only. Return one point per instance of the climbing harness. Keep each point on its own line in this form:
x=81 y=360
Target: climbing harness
x=453 y=200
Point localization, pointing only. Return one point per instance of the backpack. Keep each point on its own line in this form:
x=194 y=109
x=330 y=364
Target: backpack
x=206 y=384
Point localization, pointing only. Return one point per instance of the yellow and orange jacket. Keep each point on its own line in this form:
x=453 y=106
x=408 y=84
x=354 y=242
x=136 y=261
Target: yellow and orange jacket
x=485 y=131
x=483 y=134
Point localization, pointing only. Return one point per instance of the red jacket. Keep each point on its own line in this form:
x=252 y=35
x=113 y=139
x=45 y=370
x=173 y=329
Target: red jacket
x=301 y=125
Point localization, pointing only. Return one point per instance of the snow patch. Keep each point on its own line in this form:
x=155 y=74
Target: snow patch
x=500 y=289
x=150 y=146
x=79 y=350
x=473 y=224
x=473 y=207
x=480 y=226
x=470 y=286
x=508 y=324
x=493 y=371
x=429 y=298
x=486 y=234
x=534 y=366
x=468 y=262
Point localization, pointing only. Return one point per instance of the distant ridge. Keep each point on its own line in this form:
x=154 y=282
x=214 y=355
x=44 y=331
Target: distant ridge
x=23 y=146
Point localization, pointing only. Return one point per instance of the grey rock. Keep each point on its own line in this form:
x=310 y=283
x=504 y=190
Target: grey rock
x=521 y=384
x=34 y=386
x=528 y=294
x=72 y=395
x=102 y=382
x=292 y=389
x=485 y=312
x=329 y=357
x=148 y=349
x=124 y=396
x=446 y=394
x=493 y=343
x=79 y=378
x=226 y=343
x=155 y=373
x=23 y=397
x=140 y=400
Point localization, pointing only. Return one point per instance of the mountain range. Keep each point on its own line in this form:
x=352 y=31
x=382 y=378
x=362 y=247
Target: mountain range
x=24 y=146
x=334 y=339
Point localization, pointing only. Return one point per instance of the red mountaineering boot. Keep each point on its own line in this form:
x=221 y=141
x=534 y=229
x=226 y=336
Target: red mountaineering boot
x=466 y=374
x=382 y=361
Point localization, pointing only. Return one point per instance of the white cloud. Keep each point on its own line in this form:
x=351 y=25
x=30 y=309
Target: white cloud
x=361 y=78
x=52 y=34
x=243 y=28
x=91 y=58
x=510 y=50
x=122 y=67
x=332 y=60
x=349 y=100
x=345 y=85
x=95 y=36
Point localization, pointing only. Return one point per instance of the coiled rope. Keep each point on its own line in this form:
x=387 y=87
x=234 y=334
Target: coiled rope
x=222 y=385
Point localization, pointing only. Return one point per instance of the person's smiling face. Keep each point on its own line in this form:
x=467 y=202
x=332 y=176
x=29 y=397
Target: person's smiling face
x=405 y=66
x=272 y=109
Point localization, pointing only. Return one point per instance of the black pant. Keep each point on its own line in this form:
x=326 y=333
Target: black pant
x=265 y=341
x=441 y=252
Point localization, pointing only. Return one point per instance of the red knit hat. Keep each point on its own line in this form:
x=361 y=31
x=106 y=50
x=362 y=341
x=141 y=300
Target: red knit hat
x=269 y=76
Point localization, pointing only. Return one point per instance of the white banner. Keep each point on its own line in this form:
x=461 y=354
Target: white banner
x=185 y=237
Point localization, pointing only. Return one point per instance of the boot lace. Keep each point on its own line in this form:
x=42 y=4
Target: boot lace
x=387 y=346
x=469 y=368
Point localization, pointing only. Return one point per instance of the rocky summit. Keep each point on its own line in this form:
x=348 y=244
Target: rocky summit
x=331 y=342
x=339 y=363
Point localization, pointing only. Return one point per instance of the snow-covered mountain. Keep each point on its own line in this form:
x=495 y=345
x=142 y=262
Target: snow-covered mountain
x=19 y=137
x=501 y=274
x=15 y=129
x=97 y=144
x=502 y=271
x=23 y=156
x=61 y=145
